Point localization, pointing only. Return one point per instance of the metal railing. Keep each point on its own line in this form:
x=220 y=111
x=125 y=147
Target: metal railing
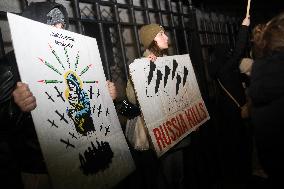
x=189 y=29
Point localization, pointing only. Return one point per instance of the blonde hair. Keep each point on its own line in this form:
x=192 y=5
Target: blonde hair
x=272 y=37
x=257 y=33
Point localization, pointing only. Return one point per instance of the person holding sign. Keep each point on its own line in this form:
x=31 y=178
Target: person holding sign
x=170 y=170
x=16 y=103
x=19 y=147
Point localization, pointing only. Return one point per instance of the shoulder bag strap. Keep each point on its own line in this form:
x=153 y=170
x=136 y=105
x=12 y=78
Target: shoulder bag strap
x=236 y=102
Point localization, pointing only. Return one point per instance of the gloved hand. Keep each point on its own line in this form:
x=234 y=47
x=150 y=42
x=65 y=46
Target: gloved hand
x=128 y=109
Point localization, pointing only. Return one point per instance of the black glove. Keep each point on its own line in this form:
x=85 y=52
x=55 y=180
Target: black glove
x=128 y=109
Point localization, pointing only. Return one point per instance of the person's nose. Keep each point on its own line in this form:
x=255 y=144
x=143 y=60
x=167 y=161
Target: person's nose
x=166 y=37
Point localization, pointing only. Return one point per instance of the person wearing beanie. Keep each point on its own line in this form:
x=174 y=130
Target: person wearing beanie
x=154 y=41
x=170 y=170
x=148 y=33
x=21 y=160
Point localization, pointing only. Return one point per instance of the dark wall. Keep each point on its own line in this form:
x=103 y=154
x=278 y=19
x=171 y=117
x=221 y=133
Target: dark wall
x=261 y=11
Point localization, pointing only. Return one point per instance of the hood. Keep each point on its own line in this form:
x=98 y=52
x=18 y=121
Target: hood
x=38 y=11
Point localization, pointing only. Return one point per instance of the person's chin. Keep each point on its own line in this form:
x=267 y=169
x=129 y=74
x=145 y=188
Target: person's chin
x=165 y=47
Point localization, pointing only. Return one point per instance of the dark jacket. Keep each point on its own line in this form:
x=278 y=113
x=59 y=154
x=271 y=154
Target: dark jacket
x=267 y=94
x=225 y=66
x=232 y=136
x=267 y=80
x=15 y=124
x=8 y=110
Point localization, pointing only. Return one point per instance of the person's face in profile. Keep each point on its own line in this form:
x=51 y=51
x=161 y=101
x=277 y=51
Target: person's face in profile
x=59 y=25
x=162 y=40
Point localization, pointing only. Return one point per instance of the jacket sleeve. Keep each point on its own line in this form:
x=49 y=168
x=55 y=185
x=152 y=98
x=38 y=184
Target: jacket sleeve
x=130 y=93
x=8 y=109
x=129 y=107
x=6 y=83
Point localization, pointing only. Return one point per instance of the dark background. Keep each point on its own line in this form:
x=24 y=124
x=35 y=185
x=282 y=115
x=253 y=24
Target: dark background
x=260 y=11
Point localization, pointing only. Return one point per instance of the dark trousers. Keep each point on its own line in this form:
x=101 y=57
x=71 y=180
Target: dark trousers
x=10 y=174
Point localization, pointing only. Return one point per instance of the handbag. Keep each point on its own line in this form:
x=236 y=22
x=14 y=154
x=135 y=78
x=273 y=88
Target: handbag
x=245 y=110
x=135 y=130
x=136 y=133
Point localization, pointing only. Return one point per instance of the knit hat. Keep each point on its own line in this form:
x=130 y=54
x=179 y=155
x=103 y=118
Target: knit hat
x=55 y=16
x=148 y=32
x=245 y=65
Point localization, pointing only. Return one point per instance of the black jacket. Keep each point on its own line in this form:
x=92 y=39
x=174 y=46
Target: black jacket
x=225 y=66
x=267 y=94
x=9 y=112
x=16 y=124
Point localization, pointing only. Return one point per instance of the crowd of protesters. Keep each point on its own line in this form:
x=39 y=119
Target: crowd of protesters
x=249 y=113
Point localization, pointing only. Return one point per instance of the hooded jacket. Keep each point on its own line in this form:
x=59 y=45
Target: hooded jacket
x=38 y=11
x=15 y=124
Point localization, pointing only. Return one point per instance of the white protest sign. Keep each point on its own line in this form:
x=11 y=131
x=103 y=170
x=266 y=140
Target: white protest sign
x=75 y=119
x=169 y=98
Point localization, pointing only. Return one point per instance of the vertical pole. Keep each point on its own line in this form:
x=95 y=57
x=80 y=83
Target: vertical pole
x=146 y=11
x=135 y=28
x=196 y=55
x=101 y=29
x=78 y=16
x=158 y=4
x=2 y=49
x=173 y=26
x=121 y=39
x=183 y=26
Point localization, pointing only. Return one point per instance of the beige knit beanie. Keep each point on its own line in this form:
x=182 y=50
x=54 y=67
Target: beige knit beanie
x=148 y=32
